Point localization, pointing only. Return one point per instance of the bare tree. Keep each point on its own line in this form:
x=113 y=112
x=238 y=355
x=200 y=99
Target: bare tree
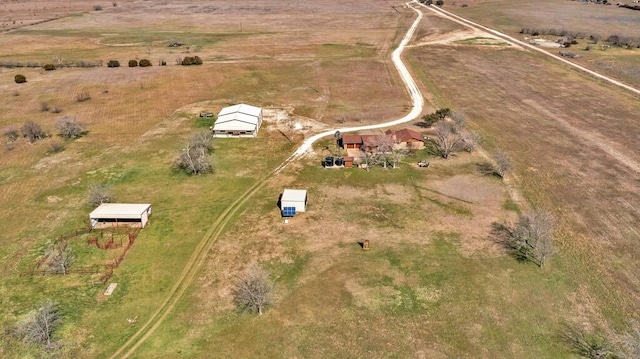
x=252 y=290
x=196 y=157
x=588 y=345
x=32 y=131
x=11 y=133
x=471 y=140
x=38 y=326
x=69 y=128
x=459 y=120
x=627 y=344
x=382 y=147
x=447 y=140
x=59 y=257
x=99 y=194
x=502 y=163
x=532 y=237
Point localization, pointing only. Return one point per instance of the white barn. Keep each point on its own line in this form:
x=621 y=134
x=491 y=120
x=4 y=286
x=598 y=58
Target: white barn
x=293 y=198
x=120 y=214
x=238 y=121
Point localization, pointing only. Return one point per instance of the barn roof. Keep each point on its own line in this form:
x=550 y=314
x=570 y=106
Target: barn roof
x=294 y=195
x=119 y=210
x=241 y=108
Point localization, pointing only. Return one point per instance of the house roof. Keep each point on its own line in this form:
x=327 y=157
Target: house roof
x=351 y=139
x=407 y=135
x=294 y=195
x=120 y=210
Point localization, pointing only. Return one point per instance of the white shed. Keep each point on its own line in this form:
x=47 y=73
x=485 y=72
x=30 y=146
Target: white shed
x=293 y=199
x=238 y=121
x=117 y=214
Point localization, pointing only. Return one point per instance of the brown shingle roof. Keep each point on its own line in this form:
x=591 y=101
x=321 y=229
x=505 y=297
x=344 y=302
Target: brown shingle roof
x=407 y=135
x=351 y=139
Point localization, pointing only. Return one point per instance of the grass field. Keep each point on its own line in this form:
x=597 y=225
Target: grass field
x=572 y=16
x=435 y=283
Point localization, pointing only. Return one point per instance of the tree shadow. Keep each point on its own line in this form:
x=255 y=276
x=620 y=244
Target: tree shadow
x=503 y=235
x=421 y=124
x=487 y=169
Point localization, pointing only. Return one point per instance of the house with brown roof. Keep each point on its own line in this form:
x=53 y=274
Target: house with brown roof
x=406 y=139
x=351 y=141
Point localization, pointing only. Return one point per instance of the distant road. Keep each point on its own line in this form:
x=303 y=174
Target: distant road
x=459 y=19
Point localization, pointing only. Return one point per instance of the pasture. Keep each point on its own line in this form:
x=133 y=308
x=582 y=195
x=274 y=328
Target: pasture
x=435 y=283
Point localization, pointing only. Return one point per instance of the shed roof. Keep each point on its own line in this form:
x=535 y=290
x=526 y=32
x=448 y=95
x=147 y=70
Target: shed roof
x=294 y=195
x=241 y=108
x=119 y=210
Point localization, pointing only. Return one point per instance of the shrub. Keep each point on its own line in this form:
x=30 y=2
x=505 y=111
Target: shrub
x=44 y=107
x=99 y=194
x=83 y=96
x=145 y=63
x=20 y=79
x=32 y=131
x=49 y=67
x=69 y=128
x=56 y=109
x=113 y=63
x=97 y=7
x=56 y=146
x=133 y=63
x=439 y=2
x=191 y=60
x=11 y=133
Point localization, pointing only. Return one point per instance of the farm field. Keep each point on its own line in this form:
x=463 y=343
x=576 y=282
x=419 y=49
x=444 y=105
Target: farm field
x=436 y=282
x=576 y=17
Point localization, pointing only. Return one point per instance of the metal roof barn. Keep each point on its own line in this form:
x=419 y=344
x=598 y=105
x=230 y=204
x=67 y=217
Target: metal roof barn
x=117 y=214
x=238 y=121
x=294 y=198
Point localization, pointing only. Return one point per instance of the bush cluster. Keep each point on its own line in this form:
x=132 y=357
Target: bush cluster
x=133 y=63
x=145 y=63
x=191 y=60
x=49 y=67
x=20 y=79
x=113 y=63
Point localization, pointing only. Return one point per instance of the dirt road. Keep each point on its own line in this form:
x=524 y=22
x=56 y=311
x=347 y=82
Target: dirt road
x=211 y=236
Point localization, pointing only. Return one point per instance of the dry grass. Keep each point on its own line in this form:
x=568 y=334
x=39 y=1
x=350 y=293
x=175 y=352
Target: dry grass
x=573 y=153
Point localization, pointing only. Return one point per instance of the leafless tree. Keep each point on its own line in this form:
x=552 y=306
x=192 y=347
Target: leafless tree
x=32 y=131
x=99 y=194
x=502 y=163
x=382 y=147
x=532 y=237
x=38 y=326
x=11 y=133
x=628 y=343
x=447 y=140
x=396 y=156
x=252 y=290
x=59 y=257
x=69 y=128
x=586 y=344
x=471 y=140
x=459 y=120
x=196 y=157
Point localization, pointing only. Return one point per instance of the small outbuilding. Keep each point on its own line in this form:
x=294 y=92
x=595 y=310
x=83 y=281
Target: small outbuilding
x=293 y=201
x=238 y=121
x=120 y=214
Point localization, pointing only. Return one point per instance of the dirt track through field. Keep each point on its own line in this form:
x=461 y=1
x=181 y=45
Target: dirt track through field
x=211 y=236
